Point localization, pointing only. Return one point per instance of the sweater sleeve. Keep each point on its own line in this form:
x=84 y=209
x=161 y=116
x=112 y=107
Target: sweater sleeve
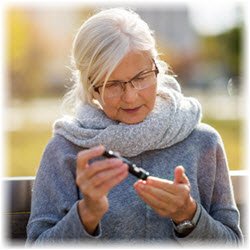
x=54 y=214
x=219 y=222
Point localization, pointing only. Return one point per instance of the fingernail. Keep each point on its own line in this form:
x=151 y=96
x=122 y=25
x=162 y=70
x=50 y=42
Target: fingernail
x=124 y=165
x=115 y=161
x=97 y=148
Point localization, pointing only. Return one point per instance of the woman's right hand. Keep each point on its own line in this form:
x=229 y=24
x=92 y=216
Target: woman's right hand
x=95 y=180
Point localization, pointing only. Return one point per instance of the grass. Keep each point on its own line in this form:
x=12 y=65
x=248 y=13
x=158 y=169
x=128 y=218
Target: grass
x=25 y=147
x=24 y=151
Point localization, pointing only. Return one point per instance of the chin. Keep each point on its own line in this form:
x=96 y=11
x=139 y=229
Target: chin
x=132 y=120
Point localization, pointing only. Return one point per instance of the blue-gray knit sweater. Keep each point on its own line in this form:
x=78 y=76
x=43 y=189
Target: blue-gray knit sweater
x=54 y=216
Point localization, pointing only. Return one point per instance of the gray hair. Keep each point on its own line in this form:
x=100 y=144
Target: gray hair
x=100 y=44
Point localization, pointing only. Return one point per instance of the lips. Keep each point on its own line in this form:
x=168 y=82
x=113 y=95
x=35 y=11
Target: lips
x=132 y=110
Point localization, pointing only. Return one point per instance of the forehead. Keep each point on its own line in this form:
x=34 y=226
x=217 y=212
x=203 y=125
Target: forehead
x=132 y=64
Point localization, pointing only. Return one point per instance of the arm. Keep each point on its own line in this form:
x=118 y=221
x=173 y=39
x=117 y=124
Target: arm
x=58 y=213
x=218 y=223
x=54 y=210
x=218 y=216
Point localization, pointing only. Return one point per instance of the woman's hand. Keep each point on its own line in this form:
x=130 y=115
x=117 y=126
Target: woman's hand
x=167 y=198
x=95 y=180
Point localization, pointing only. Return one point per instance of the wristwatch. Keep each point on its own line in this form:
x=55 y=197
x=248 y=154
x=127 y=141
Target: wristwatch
x=185 y=227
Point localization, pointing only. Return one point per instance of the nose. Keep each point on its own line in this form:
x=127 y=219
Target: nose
x=130 y=93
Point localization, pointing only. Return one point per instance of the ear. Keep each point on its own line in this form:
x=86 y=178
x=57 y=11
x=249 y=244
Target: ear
x=96 y=95
x=97 y=98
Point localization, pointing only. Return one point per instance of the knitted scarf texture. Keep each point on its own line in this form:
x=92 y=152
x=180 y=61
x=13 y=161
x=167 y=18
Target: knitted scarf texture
x=173 y=118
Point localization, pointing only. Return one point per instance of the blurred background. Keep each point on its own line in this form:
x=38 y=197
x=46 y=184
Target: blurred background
x=204 y=45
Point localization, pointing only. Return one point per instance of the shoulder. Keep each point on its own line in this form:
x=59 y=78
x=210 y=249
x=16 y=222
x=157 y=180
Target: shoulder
x=206 y=130
x=206 y=134
x=59 y=150
x=59 y=144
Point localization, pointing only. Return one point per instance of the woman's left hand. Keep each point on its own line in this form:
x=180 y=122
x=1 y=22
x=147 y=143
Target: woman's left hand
x=168 y=198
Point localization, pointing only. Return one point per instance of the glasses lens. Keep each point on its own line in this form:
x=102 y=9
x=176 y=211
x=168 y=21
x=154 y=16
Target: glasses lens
x=144 y=80
x=113 y=89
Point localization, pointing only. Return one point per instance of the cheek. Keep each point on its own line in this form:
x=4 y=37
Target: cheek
x=111 y=107
x=150 y=97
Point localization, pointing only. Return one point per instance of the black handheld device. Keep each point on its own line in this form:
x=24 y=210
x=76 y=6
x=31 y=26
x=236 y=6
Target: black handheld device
x=132 y=168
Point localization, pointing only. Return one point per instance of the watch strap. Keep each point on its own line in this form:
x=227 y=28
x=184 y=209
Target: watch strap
x=196 y=215
x=194 y=220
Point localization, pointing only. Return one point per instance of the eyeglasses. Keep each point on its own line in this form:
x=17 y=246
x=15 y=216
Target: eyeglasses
x=141 y=81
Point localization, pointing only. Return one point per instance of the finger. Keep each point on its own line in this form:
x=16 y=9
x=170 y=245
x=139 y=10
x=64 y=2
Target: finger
x=104 y=176
x=150 y=199
x=163 y=208
x=85 y=155
x=94 y=175
x=161 y=184
x=102 y=165
x=106 y=186
x=180 y=176
x=159 y=194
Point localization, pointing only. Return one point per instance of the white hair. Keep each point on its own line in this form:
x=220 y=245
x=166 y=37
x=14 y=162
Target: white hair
x=99 y=46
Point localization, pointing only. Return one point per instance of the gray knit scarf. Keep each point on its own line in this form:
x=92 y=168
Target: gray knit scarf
x=173 y=118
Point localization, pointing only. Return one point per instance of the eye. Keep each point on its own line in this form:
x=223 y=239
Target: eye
x=140 y=77
x=112 y=84
x=143 y=76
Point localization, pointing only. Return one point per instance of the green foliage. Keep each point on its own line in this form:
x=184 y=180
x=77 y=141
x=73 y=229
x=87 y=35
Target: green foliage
x=225 y=48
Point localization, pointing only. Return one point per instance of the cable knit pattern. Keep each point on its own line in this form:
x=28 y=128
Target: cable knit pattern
x=172 y=120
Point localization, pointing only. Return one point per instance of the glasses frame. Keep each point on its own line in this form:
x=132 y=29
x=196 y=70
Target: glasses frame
x=123 y=83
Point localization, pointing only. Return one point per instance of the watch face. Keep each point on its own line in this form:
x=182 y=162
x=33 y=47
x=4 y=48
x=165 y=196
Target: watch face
x=184 y=227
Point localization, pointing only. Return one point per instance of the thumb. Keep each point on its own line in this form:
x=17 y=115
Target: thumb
x=84 y=156
x=180 y=176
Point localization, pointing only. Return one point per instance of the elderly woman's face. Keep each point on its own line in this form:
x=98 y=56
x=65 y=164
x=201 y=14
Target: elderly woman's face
x=132 y=105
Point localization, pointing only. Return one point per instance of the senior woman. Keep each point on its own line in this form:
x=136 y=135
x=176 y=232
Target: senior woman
x=125 y=101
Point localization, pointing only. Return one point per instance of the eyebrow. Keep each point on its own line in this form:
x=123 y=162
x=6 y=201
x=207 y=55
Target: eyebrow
x=141 y=72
